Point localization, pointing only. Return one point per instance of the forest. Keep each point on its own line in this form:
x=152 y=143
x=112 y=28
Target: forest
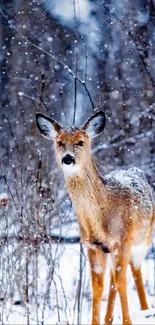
x=67 y=59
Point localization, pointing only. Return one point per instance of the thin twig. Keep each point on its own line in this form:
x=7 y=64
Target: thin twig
x=143 y=61
x=8 y=187
x=42 y=92
x=135 y=41
x=122 y=142
x=79 y=311
x=21 y=94
x=57 y=302
x=76 y=63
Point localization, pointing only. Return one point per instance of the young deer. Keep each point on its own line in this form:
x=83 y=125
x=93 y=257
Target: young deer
x=115 y=212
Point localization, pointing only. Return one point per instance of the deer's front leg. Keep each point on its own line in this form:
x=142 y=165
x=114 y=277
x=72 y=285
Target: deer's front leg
x=97 y=261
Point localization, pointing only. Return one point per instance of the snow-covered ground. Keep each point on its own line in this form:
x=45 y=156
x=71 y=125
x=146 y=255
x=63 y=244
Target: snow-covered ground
x=63 y=302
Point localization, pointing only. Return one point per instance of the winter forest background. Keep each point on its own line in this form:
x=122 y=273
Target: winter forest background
x=65 y=58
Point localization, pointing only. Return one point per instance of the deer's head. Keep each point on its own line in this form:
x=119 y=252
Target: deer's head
x=72 y=144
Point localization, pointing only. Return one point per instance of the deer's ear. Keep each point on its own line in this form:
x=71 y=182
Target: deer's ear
x=47 y=126
x=95 y=124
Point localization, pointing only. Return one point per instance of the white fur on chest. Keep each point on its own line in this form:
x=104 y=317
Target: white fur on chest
x=71 y=170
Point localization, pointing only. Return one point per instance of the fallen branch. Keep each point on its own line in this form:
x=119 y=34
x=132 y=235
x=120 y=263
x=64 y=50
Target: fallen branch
x=33 y=240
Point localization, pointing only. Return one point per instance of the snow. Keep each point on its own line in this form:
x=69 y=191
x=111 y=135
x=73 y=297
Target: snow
x=67 y=270
x=118 y=268
x=3 y=196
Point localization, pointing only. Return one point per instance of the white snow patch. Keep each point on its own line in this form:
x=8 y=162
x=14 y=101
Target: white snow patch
x=114 y=94
x=20 y=93
x=146 y=223
x=63 y=322
x=3 y=196
x=144 y=317
x=118 y=268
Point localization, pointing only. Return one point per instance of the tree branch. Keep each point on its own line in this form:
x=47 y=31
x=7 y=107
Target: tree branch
x=50 y=55
x=33 y=240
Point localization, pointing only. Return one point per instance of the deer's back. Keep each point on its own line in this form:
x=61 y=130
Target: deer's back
x=131 y=183
x=130 y=196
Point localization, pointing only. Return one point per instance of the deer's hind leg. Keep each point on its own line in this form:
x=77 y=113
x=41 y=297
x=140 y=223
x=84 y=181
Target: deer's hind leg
x=97 y=261
x=137 y=275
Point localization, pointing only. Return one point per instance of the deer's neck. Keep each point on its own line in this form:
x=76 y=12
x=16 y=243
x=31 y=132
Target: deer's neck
x=89 y=197
x=87 y=183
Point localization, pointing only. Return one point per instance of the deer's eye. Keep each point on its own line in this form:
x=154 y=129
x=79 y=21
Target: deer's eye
x=60 y=144
x=80 y=143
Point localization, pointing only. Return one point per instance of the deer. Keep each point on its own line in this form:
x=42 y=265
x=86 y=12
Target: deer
x=115 y=212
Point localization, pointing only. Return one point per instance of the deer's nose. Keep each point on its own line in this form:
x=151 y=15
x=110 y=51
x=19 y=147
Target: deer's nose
x=67 y=160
